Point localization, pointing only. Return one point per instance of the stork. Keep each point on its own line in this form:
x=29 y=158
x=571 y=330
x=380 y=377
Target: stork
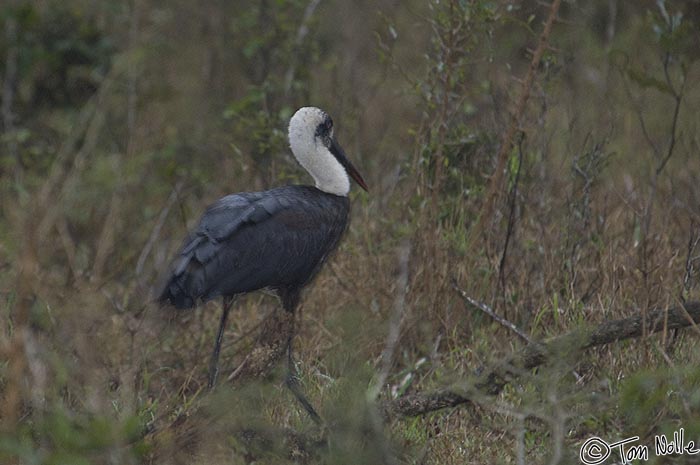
x=276 y=239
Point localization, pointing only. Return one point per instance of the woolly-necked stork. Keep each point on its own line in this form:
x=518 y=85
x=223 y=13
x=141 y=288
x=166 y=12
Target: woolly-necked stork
x=276 y=239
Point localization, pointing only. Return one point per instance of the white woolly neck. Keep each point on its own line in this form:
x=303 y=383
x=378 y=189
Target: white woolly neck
x=328 y=173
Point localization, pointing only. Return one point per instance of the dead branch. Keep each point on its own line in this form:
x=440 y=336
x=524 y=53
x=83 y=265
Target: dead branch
x=395 y=322
x=8 y=91
x=105 y=243
x=489 y=311
x=69 y=248
x=493 y=379
x=302 y=32
x=155 y=232
x=511 y=218
x=387 y=359
x=494 y=187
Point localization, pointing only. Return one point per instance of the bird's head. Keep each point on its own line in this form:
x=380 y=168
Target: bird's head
x=317 y=150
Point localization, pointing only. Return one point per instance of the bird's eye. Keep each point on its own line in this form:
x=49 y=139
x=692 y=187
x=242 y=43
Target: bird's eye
x=324 y=128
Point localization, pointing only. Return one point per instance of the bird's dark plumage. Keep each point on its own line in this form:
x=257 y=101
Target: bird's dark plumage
x=276 y=239
x=248 y=241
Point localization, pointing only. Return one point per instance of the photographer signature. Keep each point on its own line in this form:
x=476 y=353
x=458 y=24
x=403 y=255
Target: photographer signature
x=595 y=450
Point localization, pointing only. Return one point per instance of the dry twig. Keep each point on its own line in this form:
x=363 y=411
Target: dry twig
x=489 y=311
x=8 y=90
x=155 y=232
x=494 y=187
x=392 y=338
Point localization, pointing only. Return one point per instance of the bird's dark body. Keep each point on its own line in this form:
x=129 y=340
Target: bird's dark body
x=274 y=239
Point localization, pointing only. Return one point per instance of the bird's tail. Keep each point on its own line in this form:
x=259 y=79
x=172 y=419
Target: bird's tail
x=176 y=293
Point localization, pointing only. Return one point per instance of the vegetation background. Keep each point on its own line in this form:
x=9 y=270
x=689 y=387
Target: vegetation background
x=122 y=120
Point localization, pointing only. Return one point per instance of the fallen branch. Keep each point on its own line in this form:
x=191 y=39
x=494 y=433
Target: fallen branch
x=492 y=380
x=499 y=319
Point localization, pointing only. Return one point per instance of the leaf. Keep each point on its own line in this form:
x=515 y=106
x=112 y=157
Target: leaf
x=646 y=81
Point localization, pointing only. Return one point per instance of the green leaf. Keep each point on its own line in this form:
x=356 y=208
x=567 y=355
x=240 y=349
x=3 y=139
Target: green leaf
x=646 y=81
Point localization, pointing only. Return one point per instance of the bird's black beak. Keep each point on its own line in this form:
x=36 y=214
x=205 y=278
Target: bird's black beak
x=339 y=154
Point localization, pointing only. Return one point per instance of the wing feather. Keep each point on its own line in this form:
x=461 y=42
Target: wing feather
x=247 y=241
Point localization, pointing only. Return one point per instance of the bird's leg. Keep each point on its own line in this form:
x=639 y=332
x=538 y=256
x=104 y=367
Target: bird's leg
x=292 y=380
x=214 y=362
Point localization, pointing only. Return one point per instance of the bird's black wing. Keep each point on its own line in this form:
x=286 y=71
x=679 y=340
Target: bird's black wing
x=248 y=241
